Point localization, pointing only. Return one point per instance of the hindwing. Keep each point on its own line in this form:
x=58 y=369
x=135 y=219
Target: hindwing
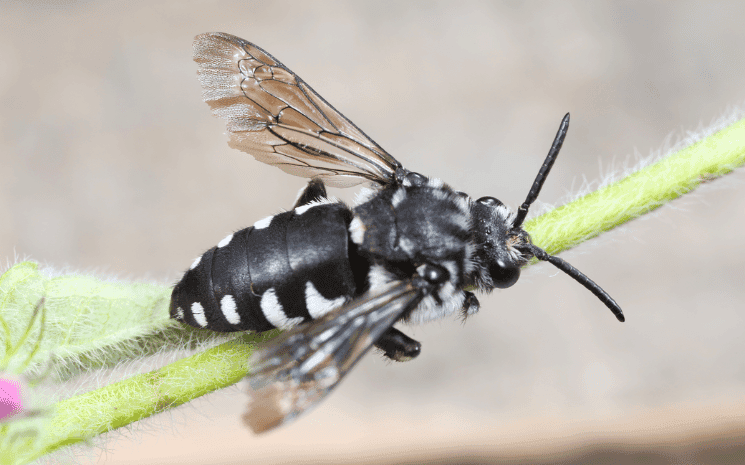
x=296 y=370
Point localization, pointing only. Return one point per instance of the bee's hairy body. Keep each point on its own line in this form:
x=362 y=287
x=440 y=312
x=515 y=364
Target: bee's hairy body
x=301 y=264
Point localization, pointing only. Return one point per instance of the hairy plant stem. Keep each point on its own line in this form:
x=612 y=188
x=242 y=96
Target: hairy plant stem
x=86 y=415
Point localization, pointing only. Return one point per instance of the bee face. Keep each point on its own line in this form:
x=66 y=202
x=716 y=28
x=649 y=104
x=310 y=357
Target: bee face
x=499 y=252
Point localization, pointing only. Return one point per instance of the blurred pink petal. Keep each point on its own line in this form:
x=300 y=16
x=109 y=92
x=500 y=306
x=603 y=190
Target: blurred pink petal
x=10 y=398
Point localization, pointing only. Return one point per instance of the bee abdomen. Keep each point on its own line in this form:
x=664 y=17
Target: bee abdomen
x=215 y=293
x=284 y=270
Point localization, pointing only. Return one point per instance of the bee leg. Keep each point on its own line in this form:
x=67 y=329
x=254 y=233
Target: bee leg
x=471 y=305
x=315 y=190
x=398 y=346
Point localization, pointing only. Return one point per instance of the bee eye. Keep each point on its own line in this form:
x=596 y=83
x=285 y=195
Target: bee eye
x=504 y=274
x=489 y=201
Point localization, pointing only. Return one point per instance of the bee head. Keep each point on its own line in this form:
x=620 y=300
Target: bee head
x=500 y=247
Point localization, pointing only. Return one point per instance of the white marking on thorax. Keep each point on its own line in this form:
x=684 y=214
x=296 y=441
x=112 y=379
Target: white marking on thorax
x=197 y=311
x=196 y=263
x=225 y=241
x=364 y=195
x=274 y=312
x=464 y=204
x=263 y=223
x=452 y=268
x=434 y=182
x=469 y=263
x=398 y=197
x=357 y=230
x=407 y=245
x=317 y=304
x=229 y=309
x=378 y=276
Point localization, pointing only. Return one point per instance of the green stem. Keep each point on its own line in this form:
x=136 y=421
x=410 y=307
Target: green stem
x=86 y=415
x=119 y=404
x=640 y=192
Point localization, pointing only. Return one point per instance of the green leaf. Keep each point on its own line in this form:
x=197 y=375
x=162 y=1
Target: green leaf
x=89 y=321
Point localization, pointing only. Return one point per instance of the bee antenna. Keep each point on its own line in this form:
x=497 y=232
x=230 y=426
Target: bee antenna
x=578 y=276
x=522 y=212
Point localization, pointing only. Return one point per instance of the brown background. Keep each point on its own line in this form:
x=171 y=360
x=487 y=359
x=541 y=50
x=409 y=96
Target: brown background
x=111 y=163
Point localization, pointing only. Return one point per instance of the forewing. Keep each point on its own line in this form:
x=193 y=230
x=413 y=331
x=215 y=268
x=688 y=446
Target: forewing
x=298 y=369
x=275 y=116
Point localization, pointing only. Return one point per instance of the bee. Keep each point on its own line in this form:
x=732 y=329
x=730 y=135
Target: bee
x=338 y=278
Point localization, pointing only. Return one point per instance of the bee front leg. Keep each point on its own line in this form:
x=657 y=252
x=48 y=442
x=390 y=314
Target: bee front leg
x=315 y=190
x=398 y=346
x=471 y=305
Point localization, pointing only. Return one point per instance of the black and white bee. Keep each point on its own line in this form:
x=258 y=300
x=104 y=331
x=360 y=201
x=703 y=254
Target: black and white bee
x=338 y=277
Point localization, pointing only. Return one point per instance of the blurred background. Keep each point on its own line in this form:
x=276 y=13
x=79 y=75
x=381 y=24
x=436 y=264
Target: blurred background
x=111 y=163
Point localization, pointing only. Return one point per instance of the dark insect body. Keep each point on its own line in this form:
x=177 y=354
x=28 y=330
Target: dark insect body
x=338 y=277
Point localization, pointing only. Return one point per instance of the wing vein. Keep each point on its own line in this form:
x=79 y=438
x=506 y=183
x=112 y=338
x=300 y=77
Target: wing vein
x=317 y=152
x=255 y=93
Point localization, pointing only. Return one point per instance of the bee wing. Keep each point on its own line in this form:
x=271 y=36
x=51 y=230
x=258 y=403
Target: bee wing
x=299 y=368
x=275 y=116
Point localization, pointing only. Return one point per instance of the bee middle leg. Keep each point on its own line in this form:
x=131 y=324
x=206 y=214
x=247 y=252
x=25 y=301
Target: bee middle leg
x=398 y=346
x=315 y=190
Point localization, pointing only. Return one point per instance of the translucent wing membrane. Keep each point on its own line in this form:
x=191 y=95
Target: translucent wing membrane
x=297 y=369
x=275 y=116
